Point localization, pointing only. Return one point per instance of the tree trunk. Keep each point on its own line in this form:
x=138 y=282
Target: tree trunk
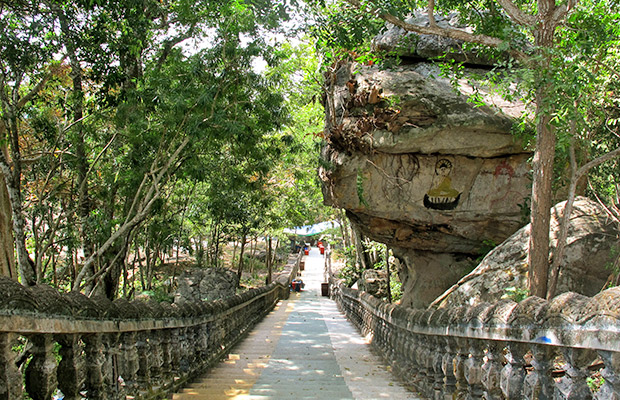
x=576 y=175
x=11 y=168
x=269 y=263
x=346 y=236
x=200 y=251
x=544 y=154
x=362 y=256
x=541 y=205
x=274 y=254
x=25 y=264
x=147 y=264
x=216 y=253
x=241 y=250
x=76 y=135
x=253 y=245
x=234 y=253
x=109 y=282
x=387 y=268
x=7 y=257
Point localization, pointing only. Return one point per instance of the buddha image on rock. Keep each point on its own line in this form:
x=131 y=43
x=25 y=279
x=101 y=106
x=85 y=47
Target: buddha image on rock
x=442 y=196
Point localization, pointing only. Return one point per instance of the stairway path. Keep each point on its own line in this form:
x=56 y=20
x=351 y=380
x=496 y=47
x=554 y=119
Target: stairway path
x=304 y=349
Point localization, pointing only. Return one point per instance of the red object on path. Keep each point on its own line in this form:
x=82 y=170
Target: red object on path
x=322 y=249
x=306 y=252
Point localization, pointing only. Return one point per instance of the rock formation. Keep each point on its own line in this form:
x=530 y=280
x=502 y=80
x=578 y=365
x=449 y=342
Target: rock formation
x=592 y=238
x=419 y=167
x=205 y=285
x=374 y=282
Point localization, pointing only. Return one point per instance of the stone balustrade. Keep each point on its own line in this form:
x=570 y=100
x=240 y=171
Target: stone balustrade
x=94 y=348
x=565 y=348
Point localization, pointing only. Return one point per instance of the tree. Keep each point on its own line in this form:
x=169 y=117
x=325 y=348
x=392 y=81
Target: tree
x=7 y=259
x=294 y=182
x=27 y=51
x=112 y=113
x=587 y=85
x=529 y=32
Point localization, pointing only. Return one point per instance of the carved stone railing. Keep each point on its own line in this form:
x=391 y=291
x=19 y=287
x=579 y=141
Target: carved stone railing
x=565 y=348
x=98 y=349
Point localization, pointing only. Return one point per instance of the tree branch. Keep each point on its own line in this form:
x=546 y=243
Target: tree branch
x=35 y=90
x=152 y=195
x=443 y=32
x=576 y=175
x=516 y=14
x=560 y=12
x=596 y=162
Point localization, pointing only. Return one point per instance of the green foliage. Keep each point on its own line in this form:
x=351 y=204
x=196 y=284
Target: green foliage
x=614 y=267
x=350 y=272
x=595 y=382
x=159 y=123
x=515 y=294
x=395 y=287
x=159 y=294
x=341 y=31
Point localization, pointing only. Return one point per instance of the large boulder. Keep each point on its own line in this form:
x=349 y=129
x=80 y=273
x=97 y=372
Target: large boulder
x=419 y=167
x=592 y=236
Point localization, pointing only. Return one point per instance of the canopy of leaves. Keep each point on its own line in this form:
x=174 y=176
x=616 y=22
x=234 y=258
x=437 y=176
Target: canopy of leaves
x=153 y=119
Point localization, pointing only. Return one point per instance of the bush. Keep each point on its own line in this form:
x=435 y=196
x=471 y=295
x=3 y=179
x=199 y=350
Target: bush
x=395 y=287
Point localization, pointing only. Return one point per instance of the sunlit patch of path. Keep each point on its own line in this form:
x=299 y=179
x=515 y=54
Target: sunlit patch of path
x=304 y=349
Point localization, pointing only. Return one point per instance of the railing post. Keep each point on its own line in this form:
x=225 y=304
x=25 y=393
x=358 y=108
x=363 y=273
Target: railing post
x=412 y=347
x=436 y=360
x=447 y=366
x=537 y=385
x=572 y=385
x=10 y=378
x=458 y=363
x=70 y=379
x=41 y=371
x=513 y=372
x=156 y=360
x=115 y=387
x=95 y=361
x=611 y=387
x=190 y=353
x=144 y=360
x=202 y=340
x=492 y=370
x=473 y=369
x=129 y=364
x=184 y=349
x=176 y=351
x=422 y=355
x=401 y=352
x=166 y=352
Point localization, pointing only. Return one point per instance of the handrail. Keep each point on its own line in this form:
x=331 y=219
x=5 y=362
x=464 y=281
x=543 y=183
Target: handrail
x=564 y=348
x=98 y=349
